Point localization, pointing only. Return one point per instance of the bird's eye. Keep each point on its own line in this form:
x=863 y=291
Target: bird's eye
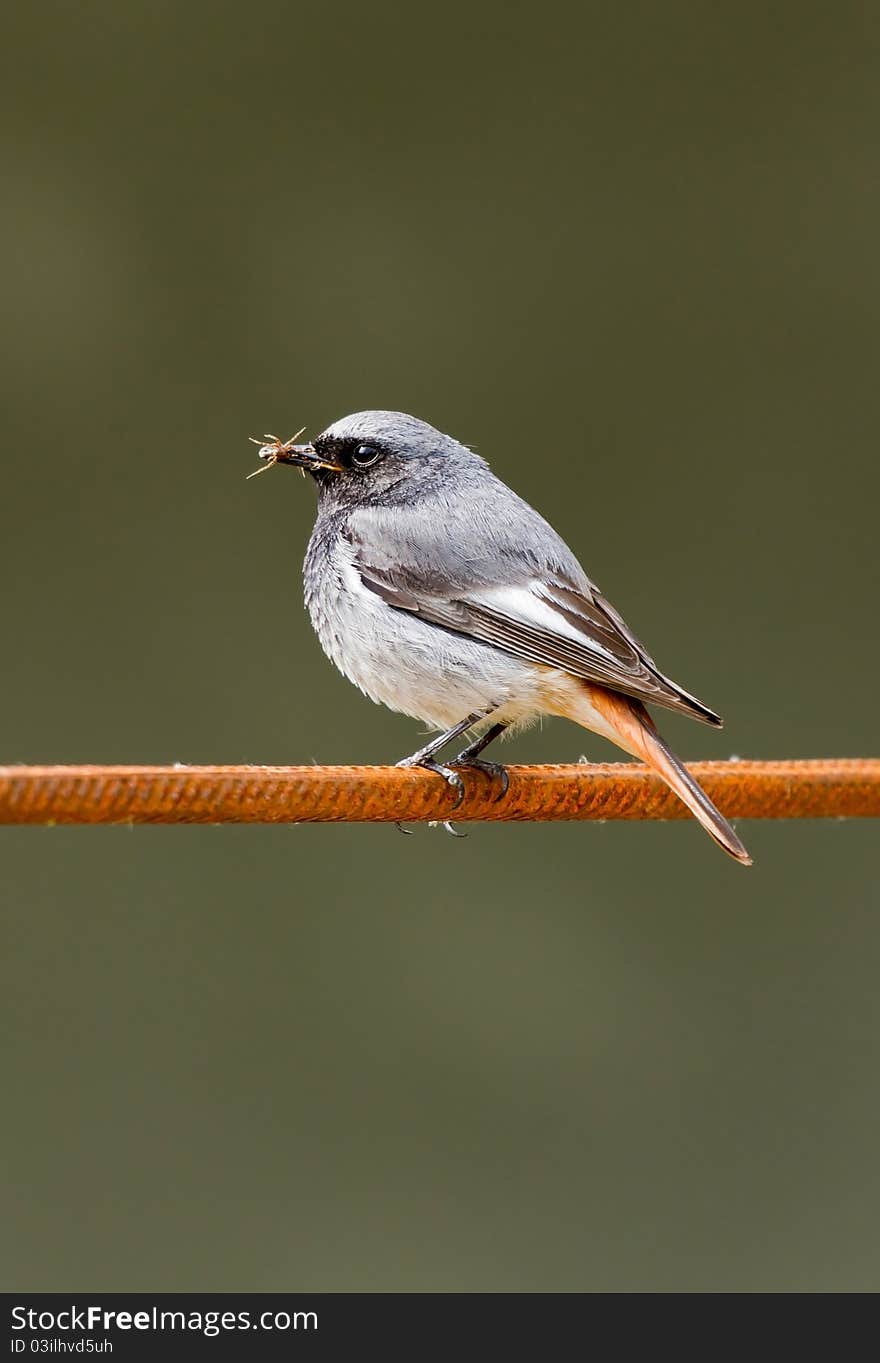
x=363 y=456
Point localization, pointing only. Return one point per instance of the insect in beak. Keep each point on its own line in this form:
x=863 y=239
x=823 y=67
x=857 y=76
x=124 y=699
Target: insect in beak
x=302 y=457
x=273 y=450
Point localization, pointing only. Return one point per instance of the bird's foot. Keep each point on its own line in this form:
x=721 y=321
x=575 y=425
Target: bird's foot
x=451 y=777
x=496 y=771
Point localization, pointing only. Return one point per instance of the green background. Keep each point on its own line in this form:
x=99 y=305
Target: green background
x=629 y=252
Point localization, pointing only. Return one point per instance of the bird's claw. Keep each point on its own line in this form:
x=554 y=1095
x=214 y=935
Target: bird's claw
x=496 y=771
x=451 y=777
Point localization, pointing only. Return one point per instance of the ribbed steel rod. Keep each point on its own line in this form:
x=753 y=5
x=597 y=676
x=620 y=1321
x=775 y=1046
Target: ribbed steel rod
x=824 y=788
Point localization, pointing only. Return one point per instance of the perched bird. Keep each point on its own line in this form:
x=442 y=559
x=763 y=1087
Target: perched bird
x=443 y=595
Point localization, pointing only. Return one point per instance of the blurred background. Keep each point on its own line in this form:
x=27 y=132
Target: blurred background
x=630 y=254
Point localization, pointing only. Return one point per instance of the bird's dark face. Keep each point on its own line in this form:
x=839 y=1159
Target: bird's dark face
x=375 y=457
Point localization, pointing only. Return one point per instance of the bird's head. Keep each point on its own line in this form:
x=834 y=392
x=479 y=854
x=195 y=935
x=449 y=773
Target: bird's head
x=376 y=457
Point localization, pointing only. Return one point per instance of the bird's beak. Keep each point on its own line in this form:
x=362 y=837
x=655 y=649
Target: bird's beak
x=302 y=456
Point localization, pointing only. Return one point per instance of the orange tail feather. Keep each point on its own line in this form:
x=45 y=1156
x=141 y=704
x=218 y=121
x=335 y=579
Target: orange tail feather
x=628 y=724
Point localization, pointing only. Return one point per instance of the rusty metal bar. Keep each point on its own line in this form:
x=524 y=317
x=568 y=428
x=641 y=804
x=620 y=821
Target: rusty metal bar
x=826 y=788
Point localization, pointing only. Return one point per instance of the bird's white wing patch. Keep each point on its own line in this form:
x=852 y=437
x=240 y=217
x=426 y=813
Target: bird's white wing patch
x=529 y=606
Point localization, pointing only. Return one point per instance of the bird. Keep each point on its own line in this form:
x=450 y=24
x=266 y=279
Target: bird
x=442 y=594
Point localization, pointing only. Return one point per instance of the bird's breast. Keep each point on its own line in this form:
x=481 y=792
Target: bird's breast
x=397 y=659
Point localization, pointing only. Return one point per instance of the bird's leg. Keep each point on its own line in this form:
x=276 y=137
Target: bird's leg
x=425 y=756
x=470 y=757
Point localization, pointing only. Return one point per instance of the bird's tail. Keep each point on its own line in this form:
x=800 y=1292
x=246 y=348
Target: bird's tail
x=627 y=723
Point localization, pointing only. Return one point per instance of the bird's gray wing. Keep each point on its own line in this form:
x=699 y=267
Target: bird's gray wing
x=536 y=604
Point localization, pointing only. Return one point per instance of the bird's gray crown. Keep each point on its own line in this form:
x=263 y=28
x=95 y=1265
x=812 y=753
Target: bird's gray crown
x=396 y=431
